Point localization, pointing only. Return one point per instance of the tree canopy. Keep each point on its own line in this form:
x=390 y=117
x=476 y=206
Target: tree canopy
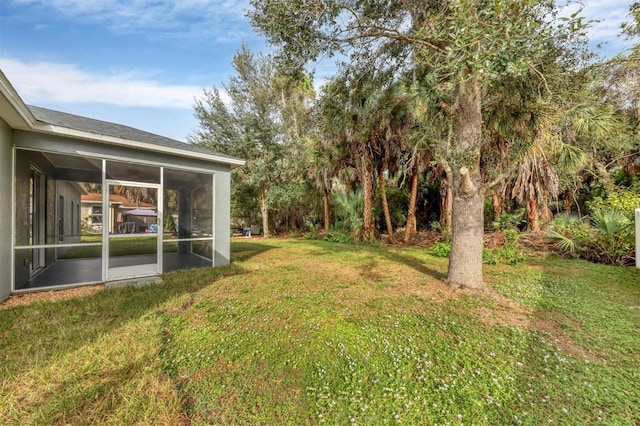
x=453 y=116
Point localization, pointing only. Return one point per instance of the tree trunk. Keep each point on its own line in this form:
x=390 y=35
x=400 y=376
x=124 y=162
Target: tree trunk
x=446 y=203
x=325 y=199
x=566 y=202
x=465 y=262
x=412 y=224
x=532 y=214
x=368 y=195
x=385 y=205
x=497 y=199
x=546 y=214
x=264 y=210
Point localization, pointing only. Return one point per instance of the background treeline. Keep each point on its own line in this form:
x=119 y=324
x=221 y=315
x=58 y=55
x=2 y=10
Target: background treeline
x=370 y=156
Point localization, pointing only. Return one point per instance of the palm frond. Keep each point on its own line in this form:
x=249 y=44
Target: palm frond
x=561 y=242
x=571 y=158
x=610 y=221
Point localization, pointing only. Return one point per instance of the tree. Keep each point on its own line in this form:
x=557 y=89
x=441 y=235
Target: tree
x=324 y=165
x=468 y=45
x=429 y=130
x=388 y=124
x=259 y=123
x=347 y=105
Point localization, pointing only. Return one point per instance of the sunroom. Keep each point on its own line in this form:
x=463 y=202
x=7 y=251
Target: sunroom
x=98 y=202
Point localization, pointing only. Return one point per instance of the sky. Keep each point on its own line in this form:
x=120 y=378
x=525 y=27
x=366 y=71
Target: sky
x=143 y=63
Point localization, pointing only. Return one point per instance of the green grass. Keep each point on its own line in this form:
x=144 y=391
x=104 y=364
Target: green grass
x=309 y=332
x=118 y=247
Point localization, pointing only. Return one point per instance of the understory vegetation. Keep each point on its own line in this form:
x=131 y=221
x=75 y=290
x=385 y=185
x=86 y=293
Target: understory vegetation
x=311 y=332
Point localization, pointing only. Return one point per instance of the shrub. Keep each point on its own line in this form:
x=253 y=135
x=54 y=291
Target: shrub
x=442 y=249
x=623 y=200
x=349 y=210
x=509 y=253
x=607 y=238
x=614 y=237
x=512 y=221
x=339 y=236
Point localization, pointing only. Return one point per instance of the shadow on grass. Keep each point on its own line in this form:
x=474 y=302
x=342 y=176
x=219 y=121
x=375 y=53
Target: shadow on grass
x=403 y=258
x=414 y=263
x=594 y=372
x=59 y=327
x=245 y=249
x=46 y=330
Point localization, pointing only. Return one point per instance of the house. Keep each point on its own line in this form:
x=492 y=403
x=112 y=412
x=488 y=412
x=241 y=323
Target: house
x=66 y=176
x=119 y=208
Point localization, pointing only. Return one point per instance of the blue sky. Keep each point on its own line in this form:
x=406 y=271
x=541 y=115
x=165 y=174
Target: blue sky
x=143 y=62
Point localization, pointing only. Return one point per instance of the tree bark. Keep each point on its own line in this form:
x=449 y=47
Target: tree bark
x=532 y=214
x=368 y=195
x=264 y=210
x=566 y=202
x=497 y=199
x=446 y=203
x=385 y=205
x=465 y=262
x=412 y=224
x=325 y=199
x=546 y=214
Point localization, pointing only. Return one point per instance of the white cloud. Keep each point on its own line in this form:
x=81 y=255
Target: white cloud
x=607 y=15
x=51 y=82
x=183 y=19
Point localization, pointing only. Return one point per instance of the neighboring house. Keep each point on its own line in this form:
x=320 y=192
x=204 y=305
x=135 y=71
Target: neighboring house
x=48 y=238
x=119 y=206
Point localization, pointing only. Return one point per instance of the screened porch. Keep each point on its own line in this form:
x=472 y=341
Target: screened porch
x=81 y=219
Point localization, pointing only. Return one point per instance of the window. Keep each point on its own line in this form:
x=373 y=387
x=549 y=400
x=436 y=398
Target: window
x=96 y=214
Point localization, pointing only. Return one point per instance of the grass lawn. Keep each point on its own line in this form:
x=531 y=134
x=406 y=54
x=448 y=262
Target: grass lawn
x=119 y=247
x=308 y=332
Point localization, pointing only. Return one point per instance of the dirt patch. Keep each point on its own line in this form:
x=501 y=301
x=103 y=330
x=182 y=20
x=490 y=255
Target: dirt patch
x=507 y=312
x=511 y=313
x=554 y=324
x=50 y=296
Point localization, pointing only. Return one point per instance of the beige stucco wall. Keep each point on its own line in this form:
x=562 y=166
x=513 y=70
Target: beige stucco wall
x=5 y=209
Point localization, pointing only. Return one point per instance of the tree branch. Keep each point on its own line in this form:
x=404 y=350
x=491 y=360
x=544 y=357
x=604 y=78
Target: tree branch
x=467 y=186
x=373 y=31
x=542 y=77
x=499 y=179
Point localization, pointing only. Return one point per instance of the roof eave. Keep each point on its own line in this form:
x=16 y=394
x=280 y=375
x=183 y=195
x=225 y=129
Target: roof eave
x=79 y=134
x=14 y=111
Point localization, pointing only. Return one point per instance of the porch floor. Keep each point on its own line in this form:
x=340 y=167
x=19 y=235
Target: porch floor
x=89 y=271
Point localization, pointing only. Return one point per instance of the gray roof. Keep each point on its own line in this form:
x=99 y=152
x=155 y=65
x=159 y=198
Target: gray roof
x=104 y=128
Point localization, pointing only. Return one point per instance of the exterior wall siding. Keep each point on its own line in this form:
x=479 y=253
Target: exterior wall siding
x=6 y=155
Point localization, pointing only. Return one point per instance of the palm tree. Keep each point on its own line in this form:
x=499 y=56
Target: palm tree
x=344 y=111
x=429 y=127
x=390 y=122
x=365 y=121
x=536 y=182
x=323 y=168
